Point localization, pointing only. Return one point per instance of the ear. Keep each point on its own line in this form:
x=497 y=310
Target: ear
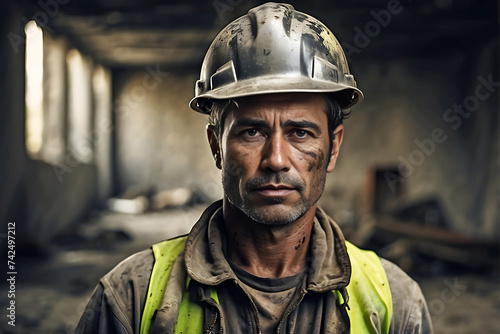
x=214 y=146
x=337 y=141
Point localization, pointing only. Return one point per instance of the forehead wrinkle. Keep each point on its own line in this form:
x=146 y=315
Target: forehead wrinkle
x=247 y=121
x=263 y=116
x=274 y=113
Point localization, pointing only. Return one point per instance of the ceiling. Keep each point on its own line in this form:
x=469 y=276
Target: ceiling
x=126 y=33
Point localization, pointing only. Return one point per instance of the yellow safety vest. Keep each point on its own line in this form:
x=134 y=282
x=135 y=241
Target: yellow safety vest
x=368 y=291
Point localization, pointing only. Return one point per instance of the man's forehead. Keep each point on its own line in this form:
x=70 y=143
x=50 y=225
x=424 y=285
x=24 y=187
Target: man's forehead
x=283 y=99
x=304 y=102
x=285 y=106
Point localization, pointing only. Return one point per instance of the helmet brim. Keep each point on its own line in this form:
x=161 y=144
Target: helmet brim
x=263 y=85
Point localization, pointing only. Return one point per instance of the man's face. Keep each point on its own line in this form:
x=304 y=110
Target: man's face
x=274 y=155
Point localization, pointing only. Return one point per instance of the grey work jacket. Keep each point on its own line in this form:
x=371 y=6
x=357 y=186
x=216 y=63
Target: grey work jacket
x=117 y=303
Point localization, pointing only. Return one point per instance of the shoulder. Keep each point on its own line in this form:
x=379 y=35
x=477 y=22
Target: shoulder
x=410 y=312
x=409 y=309
x=118 y=299
x=135 y=269
x=127 y=283
x=400 y=281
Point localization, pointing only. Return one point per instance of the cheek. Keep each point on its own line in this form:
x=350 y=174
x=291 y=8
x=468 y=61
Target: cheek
x=232 y=167
x=233 y=164
x=315 y=159
x=321 y=160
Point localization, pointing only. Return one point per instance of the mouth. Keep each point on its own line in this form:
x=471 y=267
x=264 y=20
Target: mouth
x=272 y=190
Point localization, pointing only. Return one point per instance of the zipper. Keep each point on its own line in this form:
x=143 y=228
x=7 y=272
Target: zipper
x=210 y=327
x=218 y=313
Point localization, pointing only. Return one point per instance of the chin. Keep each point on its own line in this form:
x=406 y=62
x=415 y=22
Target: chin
x=274 y=214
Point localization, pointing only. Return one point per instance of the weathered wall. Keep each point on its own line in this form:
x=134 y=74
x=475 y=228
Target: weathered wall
x=32 y=195
x=405 y=122
x=160 y=142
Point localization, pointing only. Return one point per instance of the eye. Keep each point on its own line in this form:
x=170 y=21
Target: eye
x=251 y=132
x=301 y=133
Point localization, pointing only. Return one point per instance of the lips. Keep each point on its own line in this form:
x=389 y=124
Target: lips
x=275 y=190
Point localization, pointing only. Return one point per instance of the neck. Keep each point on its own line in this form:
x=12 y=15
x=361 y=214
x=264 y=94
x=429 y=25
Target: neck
x=271 y=251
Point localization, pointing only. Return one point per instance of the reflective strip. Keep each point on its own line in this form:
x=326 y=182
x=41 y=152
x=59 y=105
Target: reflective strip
x=191 y=316
x=368 y=291
x=165 y=254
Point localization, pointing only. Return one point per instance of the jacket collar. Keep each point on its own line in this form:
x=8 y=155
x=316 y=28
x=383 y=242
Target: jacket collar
x=328 y=268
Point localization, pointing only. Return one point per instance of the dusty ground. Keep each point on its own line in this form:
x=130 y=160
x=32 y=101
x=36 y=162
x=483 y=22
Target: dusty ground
x=51 y=292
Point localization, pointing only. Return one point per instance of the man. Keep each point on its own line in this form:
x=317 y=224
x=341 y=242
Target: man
x=265 y=259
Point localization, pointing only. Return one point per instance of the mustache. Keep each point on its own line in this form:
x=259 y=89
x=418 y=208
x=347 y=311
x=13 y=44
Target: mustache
x=277 y=178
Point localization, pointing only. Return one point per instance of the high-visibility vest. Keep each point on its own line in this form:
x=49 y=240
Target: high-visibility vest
x=368 y=291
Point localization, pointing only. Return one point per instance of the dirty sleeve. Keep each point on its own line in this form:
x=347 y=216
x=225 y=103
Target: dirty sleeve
x=410 y=311
x=117 y=302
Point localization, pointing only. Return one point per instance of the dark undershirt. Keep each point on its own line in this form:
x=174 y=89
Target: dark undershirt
x=271 y=297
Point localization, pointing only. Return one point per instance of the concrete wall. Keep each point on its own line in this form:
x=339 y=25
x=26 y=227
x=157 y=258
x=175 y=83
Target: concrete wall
x=41 y=203
x=160 y=142
x=405 y=123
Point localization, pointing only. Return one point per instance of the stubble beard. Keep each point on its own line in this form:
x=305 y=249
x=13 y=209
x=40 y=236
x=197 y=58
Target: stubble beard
x=273 y=212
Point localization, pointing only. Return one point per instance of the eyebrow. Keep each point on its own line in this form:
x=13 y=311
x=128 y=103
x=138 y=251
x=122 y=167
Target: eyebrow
x=304 y=124
x=244 y=122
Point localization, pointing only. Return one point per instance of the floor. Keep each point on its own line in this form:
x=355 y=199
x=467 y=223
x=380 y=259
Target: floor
x=52 y=291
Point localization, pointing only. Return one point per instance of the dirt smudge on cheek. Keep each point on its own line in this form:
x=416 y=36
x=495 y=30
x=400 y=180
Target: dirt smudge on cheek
x=318 y=162
x=312 y=154
x=312 y=163
x=321 y=161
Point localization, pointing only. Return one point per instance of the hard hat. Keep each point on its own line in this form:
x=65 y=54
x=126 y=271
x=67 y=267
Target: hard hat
x=274 y=49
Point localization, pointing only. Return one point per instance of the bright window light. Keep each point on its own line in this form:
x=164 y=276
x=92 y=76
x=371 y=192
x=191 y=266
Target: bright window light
x=79 y=106
x=54 y=98
x=34 y=88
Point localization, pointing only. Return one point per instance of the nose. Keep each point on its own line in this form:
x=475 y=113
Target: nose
x=276 y=154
